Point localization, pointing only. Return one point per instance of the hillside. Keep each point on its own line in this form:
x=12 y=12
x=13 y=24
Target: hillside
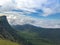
x=39 y=35
x=7 y=42
x=8 y=33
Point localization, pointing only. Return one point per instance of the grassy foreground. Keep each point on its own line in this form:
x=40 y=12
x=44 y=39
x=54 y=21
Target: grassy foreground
x=7 y=42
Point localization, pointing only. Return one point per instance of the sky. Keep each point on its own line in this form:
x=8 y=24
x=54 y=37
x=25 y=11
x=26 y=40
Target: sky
x=41 y=13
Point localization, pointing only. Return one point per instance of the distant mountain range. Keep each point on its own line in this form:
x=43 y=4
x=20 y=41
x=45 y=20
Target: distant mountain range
x=52 y=34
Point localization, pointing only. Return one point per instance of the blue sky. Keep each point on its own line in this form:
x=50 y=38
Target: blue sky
x=33 y=10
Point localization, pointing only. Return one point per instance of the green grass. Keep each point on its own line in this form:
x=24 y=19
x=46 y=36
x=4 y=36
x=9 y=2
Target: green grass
x=31 y=37
x=7 y=42
x=40 y=42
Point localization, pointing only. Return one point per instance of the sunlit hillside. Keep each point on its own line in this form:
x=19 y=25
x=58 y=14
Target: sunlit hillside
x=7 y=42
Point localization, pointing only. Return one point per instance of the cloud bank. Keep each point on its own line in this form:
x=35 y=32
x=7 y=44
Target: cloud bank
x=47 y=6
x=18 y=12
x=20 y=19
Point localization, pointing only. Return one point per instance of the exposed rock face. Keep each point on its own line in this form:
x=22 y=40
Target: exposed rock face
x=5 y=29
x=7 y=32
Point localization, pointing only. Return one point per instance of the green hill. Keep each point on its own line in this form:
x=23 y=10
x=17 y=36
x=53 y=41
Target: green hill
x=7 y=42
x=38 y=35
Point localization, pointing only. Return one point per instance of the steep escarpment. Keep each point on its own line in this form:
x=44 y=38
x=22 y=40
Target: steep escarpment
x=4 y=28
x=8 y=33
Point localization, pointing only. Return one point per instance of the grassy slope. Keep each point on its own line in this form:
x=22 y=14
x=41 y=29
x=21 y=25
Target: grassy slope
x=7 y=42
x=31 y=37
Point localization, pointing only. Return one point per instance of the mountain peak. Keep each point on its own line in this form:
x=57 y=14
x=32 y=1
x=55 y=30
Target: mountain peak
x=2 y=15
x=4 y=27
x=8 y=33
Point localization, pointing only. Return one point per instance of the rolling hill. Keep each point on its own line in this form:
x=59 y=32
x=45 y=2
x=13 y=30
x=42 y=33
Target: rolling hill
x=39 y=35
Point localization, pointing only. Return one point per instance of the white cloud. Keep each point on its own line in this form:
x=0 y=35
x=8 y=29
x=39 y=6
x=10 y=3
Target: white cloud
x=2 y=2
x=53 y=6
x=6 y=5
x=30 y=5
x=47 y=6
x=47 y=11
x=19 y=19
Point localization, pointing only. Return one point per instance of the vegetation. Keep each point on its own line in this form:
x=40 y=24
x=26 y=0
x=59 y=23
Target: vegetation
x=31 y=37
x=39 y=36
x=7 y=42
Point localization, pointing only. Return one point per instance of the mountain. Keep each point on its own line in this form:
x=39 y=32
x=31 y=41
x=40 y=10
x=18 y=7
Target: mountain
x=27 y=27
x=5 y=29
x=27 y=34
x=10 y=34
x=50 y=36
